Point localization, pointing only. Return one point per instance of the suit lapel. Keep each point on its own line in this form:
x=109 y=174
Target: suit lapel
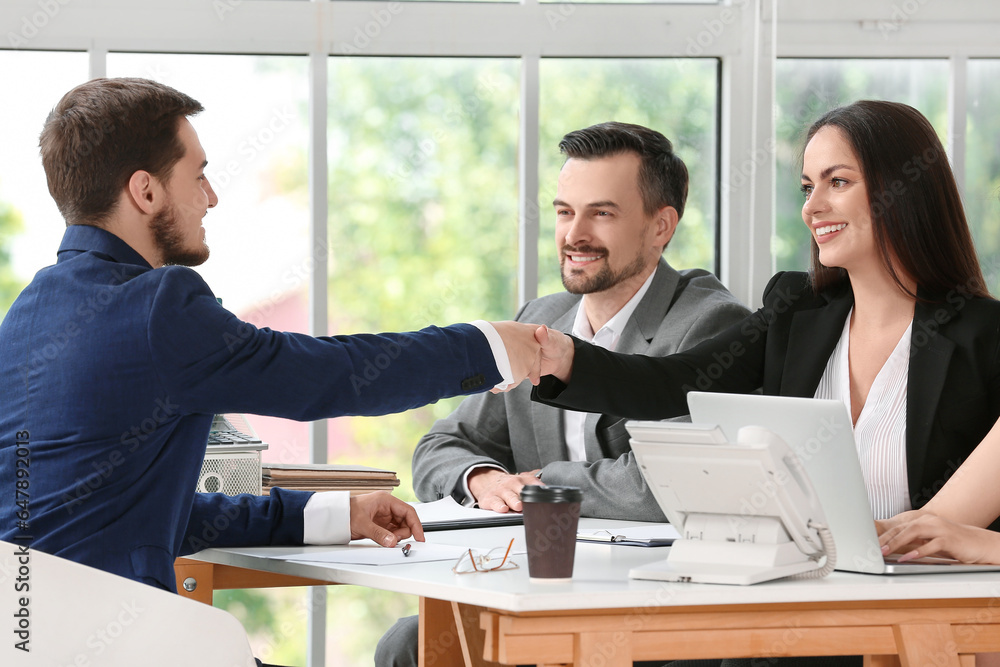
x=930 y=354
x=652 y=309
x=812 y=336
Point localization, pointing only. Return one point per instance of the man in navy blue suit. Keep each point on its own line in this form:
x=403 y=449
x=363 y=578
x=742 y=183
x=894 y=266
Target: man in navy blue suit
x=113 y=361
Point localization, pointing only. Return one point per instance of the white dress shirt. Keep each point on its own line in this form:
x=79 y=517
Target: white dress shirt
x=880 y=433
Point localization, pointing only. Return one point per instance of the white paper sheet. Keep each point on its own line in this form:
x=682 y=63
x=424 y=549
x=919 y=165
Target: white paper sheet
x=372 y=554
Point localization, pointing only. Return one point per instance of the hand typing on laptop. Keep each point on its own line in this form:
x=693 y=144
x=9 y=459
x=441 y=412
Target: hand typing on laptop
x=916 y=534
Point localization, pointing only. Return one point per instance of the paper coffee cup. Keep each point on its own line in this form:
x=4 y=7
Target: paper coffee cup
x=551 y=515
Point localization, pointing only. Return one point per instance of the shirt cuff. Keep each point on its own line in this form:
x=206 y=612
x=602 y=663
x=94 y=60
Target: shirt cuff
x=499 y=352
x=470 y=500
x=326 y=518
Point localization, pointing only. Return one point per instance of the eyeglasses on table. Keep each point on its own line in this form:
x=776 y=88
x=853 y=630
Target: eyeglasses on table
x=493 y=560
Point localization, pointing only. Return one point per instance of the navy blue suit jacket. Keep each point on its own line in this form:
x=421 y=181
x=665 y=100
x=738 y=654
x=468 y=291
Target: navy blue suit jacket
x=110 y=372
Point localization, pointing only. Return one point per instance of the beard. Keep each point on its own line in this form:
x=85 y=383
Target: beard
x=602 y=280
x=169 y=240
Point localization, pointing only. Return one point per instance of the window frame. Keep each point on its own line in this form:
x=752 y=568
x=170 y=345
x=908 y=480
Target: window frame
x=745 y=35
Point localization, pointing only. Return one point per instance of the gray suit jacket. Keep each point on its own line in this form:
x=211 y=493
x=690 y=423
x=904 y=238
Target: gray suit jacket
x=678 y=311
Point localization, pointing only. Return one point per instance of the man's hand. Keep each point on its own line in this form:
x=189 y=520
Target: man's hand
x=918 y=534
x=497 y=490
x=522 y=350
x=383 y=518
x=557 y=353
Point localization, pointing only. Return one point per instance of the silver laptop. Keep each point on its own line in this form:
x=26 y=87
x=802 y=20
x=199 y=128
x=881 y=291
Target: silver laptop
x=821 y=434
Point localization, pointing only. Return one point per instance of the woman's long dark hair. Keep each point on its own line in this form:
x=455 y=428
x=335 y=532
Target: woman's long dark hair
x=917 y=216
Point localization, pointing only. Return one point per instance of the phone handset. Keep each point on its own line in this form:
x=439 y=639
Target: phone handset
x=798 y=502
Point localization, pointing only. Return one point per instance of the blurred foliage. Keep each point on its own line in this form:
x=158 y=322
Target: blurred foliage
x=423 y=191
x=276 y=621
x=10 y=284
x=982 y=166
x=243 y=604
x=358 y=617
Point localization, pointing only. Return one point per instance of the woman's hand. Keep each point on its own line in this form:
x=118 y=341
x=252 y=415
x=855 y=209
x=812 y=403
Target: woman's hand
x=557 y=353
x=918 y=534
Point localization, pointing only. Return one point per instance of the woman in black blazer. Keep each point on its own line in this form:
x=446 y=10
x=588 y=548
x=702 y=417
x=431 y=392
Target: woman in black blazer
x=891 y=249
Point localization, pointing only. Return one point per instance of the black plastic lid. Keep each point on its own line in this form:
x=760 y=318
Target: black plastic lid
x=540 y=493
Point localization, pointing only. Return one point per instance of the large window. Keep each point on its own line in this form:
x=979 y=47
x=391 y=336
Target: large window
x=30 y=224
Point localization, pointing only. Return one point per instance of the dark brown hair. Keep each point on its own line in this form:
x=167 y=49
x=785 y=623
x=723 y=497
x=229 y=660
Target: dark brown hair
x=663 y=177
x=102 y=132
x=916 y=211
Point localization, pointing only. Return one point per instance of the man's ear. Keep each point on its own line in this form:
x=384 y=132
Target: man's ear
x=145 y=191
x=665 y=225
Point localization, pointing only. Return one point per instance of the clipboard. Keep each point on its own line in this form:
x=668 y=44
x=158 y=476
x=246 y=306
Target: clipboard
x=446 y=514
x=488 y=522
x=662 y=535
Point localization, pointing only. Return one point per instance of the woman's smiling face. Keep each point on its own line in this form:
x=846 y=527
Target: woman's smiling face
x=836 y=209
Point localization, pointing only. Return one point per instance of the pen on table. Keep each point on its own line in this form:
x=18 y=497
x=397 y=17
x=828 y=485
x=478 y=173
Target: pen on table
x=406 y=549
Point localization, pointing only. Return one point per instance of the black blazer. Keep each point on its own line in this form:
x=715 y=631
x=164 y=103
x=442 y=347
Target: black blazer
x=953 y=386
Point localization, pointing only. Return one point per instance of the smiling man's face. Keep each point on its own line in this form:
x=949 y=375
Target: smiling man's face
x=604 y=237
x=177 y=228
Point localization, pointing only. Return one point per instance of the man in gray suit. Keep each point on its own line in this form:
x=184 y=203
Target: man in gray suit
x=620 y=195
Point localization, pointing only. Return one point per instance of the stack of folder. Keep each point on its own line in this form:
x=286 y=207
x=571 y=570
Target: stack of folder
x=326 y=477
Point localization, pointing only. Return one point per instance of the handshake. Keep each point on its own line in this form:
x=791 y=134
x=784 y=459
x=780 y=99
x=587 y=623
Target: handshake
x=535 y=350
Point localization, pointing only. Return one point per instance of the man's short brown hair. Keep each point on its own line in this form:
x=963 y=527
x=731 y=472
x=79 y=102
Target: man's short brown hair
x=663 y=177
x=102 y=132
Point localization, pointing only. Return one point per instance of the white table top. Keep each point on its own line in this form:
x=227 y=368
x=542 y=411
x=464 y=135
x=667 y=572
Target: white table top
x=600 y=578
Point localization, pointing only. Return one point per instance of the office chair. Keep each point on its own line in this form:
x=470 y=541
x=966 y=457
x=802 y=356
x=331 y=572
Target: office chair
x=71 y=614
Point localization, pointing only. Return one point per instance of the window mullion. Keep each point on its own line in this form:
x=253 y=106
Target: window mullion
x=957 y=116
x=527 y=279
x=98 y=60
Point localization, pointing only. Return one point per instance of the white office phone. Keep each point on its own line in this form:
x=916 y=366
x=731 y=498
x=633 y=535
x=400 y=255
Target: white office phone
x=746 y=510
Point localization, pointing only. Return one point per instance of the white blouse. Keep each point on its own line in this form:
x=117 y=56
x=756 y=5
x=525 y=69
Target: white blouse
x=880 y=433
